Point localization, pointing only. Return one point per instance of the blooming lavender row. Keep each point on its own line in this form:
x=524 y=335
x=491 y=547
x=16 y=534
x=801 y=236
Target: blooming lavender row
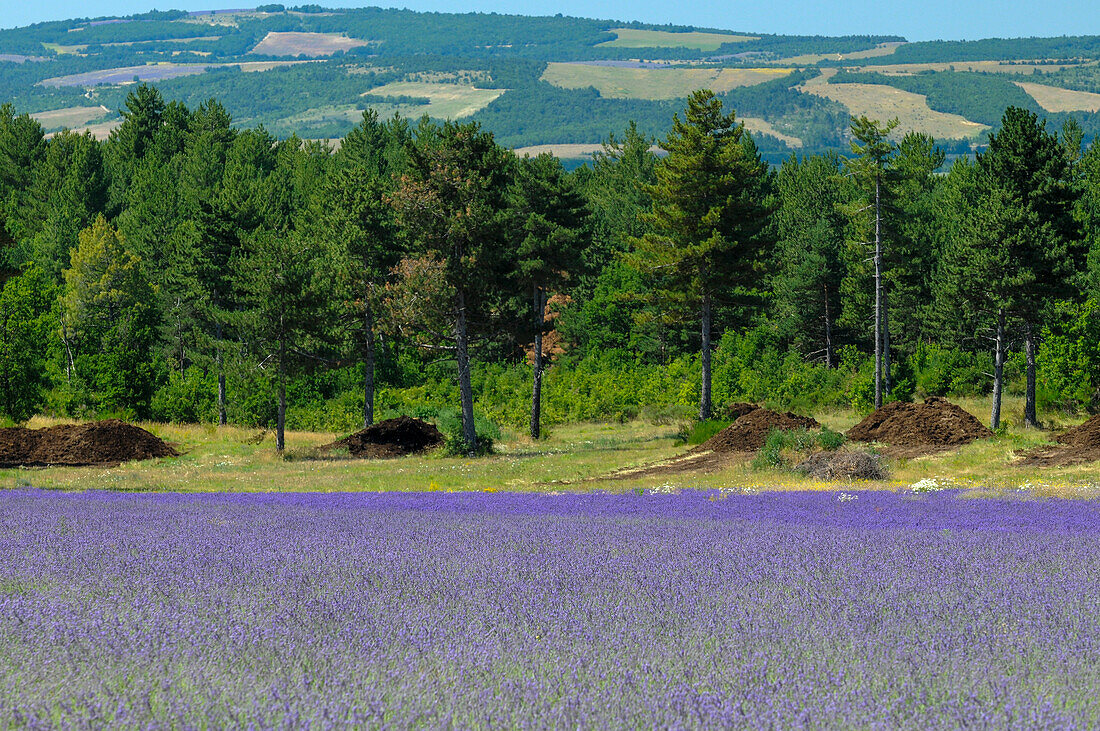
x=497 y=610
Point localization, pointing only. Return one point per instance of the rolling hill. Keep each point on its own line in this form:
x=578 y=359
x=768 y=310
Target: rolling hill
x=557 y=83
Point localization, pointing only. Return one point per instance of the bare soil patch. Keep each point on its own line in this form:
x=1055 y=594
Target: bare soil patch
x=99 y=443
x=391 y=438
x=748 y=432
x=916 y=429
x=1074 y=446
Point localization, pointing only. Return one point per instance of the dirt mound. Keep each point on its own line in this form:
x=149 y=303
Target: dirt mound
x=933 y=425
x=1075 y=446
x=391 y=438
x=748 y=432
x=843 y=466
x=734 y=411
x=100 y=443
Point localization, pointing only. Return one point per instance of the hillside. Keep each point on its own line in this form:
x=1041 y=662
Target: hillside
x=556 y=82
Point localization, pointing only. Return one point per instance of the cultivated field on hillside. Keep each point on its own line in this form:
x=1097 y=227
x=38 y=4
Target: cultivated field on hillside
x=881 y=102
x=629 y=83
x=305 y=44
x=1054 y=99
x=809 y=59
x=448 y=101
x=991 y=67
x=636 y=38
x=71 y=117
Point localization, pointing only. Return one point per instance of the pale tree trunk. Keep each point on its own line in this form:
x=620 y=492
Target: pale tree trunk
x=280 y=419
x=878 y=300
x=536 y=390
x=998 y=371
x=220 y=363
x=885 y=344
x=704 y=390
x=368 y=360
x=1031 y=419
x=465 y=391
x=828 y=332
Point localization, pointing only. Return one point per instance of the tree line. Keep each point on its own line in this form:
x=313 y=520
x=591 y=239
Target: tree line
x=186 y=269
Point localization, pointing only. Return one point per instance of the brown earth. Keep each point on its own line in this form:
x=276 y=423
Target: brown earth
x=748 y=432
x=1074 y=446
x=100 y=443
x=916 y=429
x=391 y=438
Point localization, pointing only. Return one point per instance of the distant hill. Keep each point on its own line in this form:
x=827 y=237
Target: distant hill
x=559 y=83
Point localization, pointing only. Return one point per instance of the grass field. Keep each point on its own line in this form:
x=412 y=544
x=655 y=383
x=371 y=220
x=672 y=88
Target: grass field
x=71 y=117
x=628 y=83
x=882 y=49
x=448 y=101
x=576 y=457
x=991 y=67
x=1053 y=99
x=881 y=102
x=99 y=130
x=634 y=38
x=305 y=44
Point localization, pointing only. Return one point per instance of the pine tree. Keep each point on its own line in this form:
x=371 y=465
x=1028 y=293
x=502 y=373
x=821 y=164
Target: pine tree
x=709 y=219
x=555 y=223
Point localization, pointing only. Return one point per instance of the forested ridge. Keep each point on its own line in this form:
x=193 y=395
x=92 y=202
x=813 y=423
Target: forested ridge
x=187 y=270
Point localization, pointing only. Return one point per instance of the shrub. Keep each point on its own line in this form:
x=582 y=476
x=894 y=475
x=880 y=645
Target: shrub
x=780 y=445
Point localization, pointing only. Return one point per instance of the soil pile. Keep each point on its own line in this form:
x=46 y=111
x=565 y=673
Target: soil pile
x=734 y=411
x=748 y=432
x=391 y=438
x=935 y=425
x=843 y=466
x=100 y=443
x=1075 y=446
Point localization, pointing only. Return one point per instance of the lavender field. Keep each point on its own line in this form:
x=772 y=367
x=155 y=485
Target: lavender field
x=874 y=610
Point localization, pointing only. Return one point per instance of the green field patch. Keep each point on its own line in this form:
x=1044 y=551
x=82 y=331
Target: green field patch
x=634 y=38
x=446 y=101
x=615 y=82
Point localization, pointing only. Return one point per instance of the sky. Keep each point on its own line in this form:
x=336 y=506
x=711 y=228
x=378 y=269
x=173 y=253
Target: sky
x=919 y=20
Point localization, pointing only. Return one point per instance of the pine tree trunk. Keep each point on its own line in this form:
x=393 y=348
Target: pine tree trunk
x=878 y=299
x=280 y=419
x=828 y=332
x=704 y=390
x=885 y=344
x=218 y=359
x=536 y=390
x=1031 y=420
x=368 y=360
x=465 y=391
x=998 y=371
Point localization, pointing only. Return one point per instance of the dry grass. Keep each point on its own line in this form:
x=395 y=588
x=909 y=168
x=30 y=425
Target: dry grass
x=448 y=101
x=993 y=67
x=69 y=116
x=878 y=101
x=808 y=59
x=305 y=44
x=630 y=83
x=1054 y=99
x=633 y=38
x=575 y=457
x=764 y=127
x=100 y=130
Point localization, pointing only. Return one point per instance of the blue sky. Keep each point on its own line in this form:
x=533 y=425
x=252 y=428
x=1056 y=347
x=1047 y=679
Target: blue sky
x=920 y=20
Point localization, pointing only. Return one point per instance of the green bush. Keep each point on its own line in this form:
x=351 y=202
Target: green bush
x=700 y=431
x=780 y=444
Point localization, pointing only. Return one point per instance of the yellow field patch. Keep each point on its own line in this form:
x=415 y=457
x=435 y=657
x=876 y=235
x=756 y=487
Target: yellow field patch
x=69 y=116
x=634 y=38
x=100 y=131
x=305 y=44
x=615 y=82
x=992 y=67
x=877 y=101
x=448 y=101
x=764 y=127
x=1054 y=99
x=882 y=49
